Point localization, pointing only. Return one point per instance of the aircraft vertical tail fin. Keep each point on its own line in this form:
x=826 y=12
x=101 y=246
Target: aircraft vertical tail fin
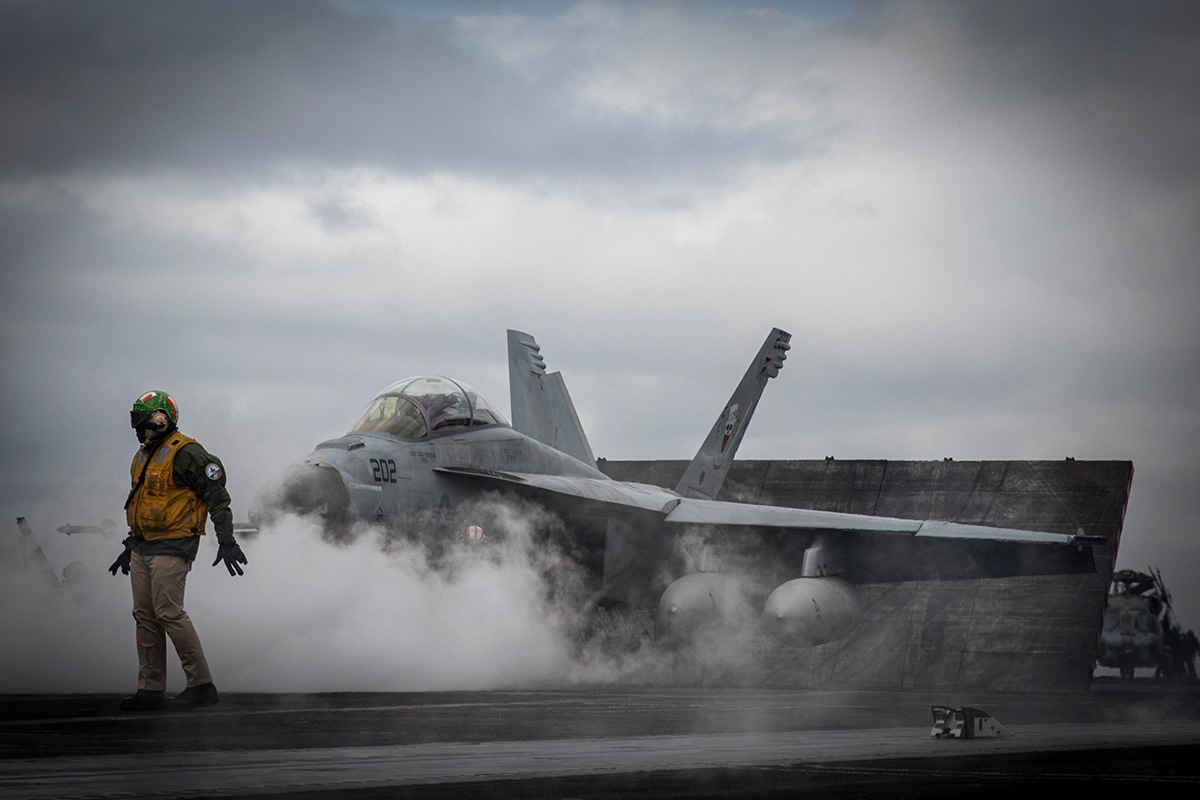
x=526 y=368
x=541 y=406
x=708 y=469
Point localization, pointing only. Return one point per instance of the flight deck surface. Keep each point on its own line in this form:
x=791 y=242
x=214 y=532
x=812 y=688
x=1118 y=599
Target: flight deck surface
x=591 y=743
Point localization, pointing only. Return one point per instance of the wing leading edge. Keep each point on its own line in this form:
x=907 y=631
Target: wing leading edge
x=675 y=510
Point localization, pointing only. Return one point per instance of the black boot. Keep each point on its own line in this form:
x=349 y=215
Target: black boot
x=195 y=697
x=144 y=700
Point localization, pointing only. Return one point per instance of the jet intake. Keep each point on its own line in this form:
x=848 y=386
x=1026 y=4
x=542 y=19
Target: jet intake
x=807 y=612
x=304 y=489
x=704 y=599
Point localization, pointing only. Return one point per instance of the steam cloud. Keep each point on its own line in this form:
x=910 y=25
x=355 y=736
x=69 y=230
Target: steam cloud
x=380 y=613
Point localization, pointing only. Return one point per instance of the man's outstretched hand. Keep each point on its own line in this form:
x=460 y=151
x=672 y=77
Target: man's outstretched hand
x=231 y=553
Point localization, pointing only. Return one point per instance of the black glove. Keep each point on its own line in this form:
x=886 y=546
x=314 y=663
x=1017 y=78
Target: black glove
x=232 y=555
x=122 y=562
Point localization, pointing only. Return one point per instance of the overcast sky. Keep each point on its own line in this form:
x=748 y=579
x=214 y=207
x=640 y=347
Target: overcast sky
x=978 y=220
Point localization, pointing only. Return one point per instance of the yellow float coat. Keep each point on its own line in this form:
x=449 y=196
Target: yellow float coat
x=159 y=509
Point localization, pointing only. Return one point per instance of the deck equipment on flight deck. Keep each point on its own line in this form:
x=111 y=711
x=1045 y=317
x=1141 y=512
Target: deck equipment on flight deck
x=965 y=723
x=1137 y=622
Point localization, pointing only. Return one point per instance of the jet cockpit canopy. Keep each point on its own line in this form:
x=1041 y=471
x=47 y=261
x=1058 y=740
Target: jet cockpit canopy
x=415 y=408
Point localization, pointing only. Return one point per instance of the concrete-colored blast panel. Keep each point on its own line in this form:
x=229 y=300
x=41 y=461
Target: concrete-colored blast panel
x=949 y=599
x=744 y=484
x=922 y=504
x=850 y=487
x=977 y=508
x=1024 y=672
x=933 y=669
x=945 y=634
x=1043 y=596
x=953 y=476
x=1024 y=635
x=1029 y=633
x=887 y=599
x=867 y=668
x=880 y=635
x=1038 y=508
x=810 y=668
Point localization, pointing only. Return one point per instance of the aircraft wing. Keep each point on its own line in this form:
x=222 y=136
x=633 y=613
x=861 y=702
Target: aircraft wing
x=694 y=511
x=716 y=512
x=632 y=496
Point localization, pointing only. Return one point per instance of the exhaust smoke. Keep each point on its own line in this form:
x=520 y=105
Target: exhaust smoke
x=376 y=610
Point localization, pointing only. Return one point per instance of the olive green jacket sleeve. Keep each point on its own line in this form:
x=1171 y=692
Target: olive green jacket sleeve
x=204 y=474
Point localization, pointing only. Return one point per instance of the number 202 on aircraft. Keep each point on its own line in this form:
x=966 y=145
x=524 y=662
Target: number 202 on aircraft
x=383 y=470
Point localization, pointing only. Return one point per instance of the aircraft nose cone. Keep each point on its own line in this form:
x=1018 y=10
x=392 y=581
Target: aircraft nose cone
x=305 y=489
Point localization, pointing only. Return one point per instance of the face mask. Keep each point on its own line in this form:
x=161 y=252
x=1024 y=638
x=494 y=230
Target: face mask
x=148 y=424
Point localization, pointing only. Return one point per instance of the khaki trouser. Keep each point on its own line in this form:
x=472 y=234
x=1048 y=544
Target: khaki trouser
x=158 y=583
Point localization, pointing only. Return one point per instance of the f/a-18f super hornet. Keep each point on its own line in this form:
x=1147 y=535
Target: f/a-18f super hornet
x=427 y=445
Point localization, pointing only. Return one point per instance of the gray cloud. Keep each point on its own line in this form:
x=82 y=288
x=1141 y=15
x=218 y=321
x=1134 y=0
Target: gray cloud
x=237 y=87
x=1121 y=81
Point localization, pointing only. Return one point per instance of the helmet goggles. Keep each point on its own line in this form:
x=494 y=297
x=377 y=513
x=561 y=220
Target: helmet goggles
x=149 y=404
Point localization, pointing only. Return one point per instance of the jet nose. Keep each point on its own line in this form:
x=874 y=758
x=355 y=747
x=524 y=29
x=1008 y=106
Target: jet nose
x=305 y=489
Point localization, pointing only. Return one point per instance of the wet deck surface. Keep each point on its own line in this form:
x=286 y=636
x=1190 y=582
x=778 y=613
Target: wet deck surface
x=592 y=743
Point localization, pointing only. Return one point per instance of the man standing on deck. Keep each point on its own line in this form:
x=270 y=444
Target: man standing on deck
x=176 y=486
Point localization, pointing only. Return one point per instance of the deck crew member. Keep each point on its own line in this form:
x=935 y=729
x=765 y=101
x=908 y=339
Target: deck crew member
x=176 y=486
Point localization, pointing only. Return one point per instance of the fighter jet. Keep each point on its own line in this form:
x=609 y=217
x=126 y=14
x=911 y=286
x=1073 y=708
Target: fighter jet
x=427 y=446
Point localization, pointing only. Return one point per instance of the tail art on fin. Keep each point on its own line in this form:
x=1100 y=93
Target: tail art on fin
x=541 y=406
x=708 y=469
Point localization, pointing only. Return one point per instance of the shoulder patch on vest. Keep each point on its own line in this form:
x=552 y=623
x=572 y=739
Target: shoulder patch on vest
x=213 y=471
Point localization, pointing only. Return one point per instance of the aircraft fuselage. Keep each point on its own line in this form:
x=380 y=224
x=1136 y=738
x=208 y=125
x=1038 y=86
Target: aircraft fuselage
x=376 y=477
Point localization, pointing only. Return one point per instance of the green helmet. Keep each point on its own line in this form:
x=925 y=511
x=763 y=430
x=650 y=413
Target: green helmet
x=152 y=401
